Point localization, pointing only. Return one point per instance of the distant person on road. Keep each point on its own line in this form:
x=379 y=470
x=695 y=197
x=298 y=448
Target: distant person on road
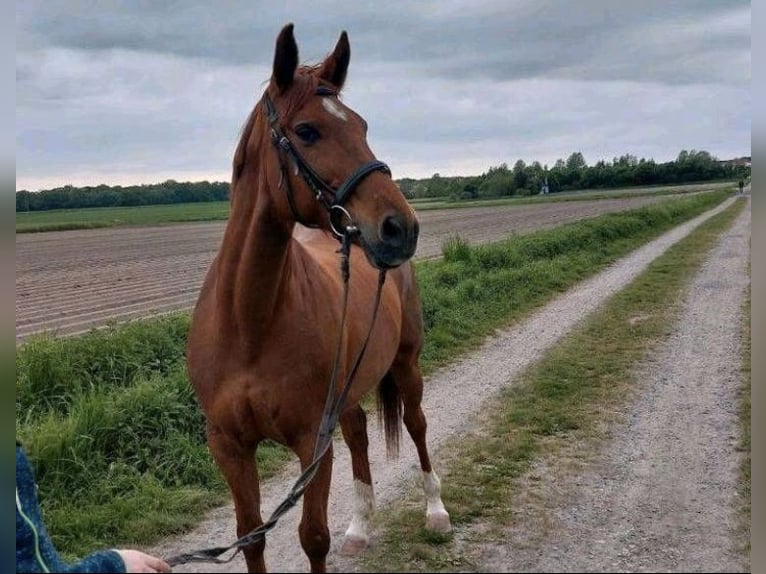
x=741 y=186
x=34 y=548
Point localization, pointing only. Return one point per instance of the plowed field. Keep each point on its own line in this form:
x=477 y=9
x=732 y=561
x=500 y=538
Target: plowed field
x=72 y=281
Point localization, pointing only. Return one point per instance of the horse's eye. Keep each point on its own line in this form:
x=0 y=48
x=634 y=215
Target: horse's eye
x=307 y=133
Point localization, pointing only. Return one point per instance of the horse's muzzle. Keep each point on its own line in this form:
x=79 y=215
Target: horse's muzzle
x=396 y=242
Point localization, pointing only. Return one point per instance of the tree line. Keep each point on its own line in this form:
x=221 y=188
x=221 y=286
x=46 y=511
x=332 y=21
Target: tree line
x=523 y=179
x=574 y=173
x=167 y=192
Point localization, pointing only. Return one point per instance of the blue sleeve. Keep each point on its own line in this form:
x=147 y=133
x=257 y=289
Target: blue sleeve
x=34 y=548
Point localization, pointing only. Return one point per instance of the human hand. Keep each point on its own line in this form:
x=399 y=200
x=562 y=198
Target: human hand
x=136 y=561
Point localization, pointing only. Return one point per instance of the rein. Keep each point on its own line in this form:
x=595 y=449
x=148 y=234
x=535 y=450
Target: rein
x=333 y=405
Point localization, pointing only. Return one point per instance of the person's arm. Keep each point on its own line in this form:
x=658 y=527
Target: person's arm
x=136 y=561
x=119 y=561
x=35 y=551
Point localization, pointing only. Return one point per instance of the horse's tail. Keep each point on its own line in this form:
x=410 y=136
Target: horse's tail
x=390 y=413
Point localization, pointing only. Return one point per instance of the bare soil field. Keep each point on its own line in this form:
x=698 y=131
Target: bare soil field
x=71 y=281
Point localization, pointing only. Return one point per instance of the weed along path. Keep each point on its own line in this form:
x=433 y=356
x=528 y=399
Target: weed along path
x=452 y=402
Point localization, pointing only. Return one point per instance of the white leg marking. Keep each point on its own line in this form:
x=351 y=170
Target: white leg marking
x=330 y=105
x=437 y=517
x=357 y=534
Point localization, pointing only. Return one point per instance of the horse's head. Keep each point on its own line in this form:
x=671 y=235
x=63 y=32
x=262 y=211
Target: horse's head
x=321 y=171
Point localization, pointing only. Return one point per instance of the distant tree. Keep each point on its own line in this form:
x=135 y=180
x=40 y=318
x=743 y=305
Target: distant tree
x=520 y=175
x=576 y=161
x=470 y=191
x=407 y=185
x=496 y=182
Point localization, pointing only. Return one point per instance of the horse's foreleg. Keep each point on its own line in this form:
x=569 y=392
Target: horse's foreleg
x=409 y=381
x=353 y=423
x=313 y=530
x=237 y=463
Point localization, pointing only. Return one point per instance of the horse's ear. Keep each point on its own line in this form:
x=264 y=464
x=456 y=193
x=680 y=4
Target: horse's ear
x=285 y=58
x=335 y=66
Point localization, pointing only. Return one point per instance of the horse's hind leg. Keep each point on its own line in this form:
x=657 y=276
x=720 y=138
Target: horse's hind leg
x=353 y=423
x=237 y=463
x=409 y=382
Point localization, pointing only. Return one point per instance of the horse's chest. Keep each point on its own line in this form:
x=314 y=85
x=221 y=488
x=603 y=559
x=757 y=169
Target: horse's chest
x=303 y=348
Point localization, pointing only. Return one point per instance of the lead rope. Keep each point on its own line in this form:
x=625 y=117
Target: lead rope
x=330 y=416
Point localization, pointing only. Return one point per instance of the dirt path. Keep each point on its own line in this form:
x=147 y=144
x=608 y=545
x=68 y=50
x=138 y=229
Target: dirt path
x=661 y=496
x=71 y=281
x=452 y=398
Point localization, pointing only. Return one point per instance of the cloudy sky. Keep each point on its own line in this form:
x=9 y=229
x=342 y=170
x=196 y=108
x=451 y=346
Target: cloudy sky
x=128 y=91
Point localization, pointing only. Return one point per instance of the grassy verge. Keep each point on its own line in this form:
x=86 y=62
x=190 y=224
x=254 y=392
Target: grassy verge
x=94 y=217
x=111 y=425
x=745 y=417
x=564 y=397
x=115 y=435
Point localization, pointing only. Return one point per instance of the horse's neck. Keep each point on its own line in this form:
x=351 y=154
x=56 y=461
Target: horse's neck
x=252 y=266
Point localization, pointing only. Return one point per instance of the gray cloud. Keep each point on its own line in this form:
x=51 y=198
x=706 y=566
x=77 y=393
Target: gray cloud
x=134 y=89
x=590 y=40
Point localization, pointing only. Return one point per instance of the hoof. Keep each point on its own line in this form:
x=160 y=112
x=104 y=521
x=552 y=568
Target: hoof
x=438 y=522
x=353 y=546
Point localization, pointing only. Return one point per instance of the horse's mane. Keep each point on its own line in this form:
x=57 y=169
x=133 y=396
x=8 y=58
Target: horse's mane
x=305 y=83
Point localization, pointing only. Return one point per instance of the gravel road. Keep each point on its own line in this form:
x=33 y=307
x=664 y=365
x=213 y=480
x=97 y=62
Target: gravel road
x=661 y=495
x=639 y=531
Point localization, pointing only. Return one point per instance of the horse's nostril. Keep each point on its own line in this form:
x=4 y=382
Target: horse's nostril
x=392 y=231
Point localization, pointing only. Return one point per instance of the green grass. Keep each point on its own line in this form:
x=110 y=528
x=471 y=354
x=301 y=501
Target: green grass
x=745 y=424
x=115 y=435
x=110 y=423
x=51 y=373
x=94 y=217
x=562 y=399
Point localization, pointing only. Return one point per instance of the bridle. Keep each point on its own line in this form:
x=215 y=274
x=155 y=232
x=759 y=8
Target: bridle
x=332 y=199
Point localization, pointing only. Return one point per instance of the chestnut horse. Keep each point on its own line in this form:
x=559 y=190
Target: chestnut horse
x=267 y=324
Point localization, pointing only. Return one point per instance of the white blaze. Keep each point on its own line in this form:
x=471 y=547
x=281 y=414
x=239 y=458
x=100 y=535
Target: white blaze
x=333 y=108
